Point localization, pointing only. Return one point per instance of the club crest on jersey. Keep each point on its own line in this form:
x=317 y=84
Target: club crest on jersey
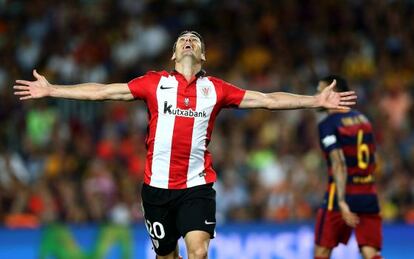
x=187 y=101
x=206 y=91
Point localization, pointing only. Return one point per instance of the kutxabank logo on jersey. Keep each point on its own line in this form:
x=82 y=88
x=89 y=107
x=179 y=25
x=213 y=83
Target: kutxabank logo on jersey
x=168 y=109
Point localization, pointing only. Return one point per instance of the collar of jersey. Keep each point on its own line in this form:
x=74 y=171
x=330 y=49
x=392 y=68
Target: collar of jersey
x=200 y=73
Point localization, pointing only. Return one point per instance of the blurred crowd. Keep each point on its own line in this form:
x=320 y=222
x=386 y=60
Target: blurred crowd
x=75 y=161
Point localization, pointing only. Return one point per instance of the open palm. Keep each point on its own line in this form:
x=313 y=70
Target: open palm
x=330 y=99
x=32 y=89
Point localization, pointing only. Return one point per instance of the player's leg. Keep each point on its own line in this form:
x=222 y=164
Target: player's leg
x=172 y=255
x=196 y=219
x=369 y=235
x=330 y=230
x=160 y=221
x=177 y=253
x=163 y=234
x=322 y=252
x=169 y=256
x=197 y=243
x=369 y=252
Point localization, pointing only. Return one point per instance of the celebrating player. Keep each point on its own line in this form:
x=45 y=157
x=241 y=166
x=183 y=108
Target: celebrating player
x=178 y=195
x=350 y=202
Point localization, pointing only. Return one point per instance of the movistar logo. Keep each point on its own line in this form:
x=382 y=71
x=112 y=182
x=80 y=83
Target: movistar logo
x=183 y=113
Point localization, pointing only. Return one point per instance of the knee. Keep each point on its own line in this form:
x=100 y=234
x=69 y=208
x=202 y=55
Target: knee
x=199 y=253
x=322 y=252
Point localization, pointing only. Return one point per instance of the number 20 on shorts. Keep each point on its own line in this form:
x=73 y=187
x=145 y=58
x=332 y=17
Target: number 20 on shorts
x=155 y=230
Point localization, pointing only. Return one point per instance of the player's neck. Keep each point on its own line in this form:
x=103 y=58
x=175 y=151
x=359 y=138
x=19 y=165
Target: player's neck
x=188 y=67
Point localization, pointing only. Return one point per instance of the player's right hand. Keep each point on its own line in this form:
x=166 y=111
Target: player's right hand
x=350 y=218
x=32 y=89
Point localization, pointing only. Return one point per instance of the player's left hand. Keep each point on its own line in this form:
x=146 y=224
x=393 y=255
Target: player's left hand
x=350 y=218
x=330 y=99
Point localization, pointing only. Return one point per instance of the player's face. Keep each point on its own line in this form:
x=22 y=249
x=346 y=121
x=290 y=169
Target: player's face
x=188 y=45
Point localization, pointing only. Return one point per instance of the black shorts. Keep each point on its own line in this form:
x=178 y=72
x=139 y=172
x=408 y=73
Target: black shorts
x=171 y=214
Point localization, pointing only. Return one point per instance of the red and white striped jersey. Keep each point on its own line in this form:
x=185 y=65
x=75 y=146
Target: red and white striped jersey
x=181 y=119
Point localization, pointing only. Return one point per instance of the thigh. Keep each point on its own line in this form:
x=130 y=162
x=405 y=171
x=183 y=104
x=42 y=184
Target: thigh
x=197 y=242
x=369 y=231
x=330 y=229
x=197 y=212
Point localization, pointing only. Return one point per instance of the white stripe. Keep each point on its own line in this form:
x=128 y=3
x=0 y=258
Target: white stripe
x=164 y=133
x=206 y=99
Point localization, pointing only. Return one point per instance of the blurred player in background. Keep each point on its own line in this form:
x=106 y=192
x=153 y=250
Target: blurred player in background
x=351 y=202
x=178 y=195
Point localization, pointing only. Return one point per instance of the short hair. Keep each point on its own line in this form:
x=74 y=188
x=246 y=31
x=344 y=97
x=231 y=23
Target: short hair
x=341 y=83
x=195 y=34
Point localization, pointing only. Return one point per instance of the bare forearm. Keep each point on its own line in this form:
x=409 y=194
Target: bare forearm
x=281 y=100
x=278 y=101
x=87 y=91
x=340 y=178
x=41 y=88
x=285 y=101
x=339 y=172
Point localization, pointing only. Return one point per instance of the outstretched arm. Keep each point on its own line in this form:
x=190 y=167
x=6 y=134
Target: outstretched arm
x=89 y=91
x=280 y=100
x=340 y=177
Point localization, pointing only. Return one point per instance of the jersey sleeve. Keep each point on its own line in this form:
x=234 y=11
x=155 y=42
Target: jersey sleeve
x=328 y=136
x=231 y=95
x=140 y=86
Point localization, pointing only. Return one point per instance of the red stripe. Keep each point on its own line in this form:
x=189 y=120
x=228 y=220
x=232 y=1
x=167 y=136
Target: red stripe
x=152 y=106
x=358 y=189
x=150 y=145
x=361 y=189
x=210 y=173
x=356 y=169
x=182 y=136
x=351 y=150
x=353 y=130
x=330 y=171
x=210 y=176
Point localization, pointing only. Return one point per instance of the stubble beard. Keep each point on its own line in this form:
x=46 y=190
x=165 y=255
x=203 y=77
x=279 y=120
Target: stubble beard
x=191 y=58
